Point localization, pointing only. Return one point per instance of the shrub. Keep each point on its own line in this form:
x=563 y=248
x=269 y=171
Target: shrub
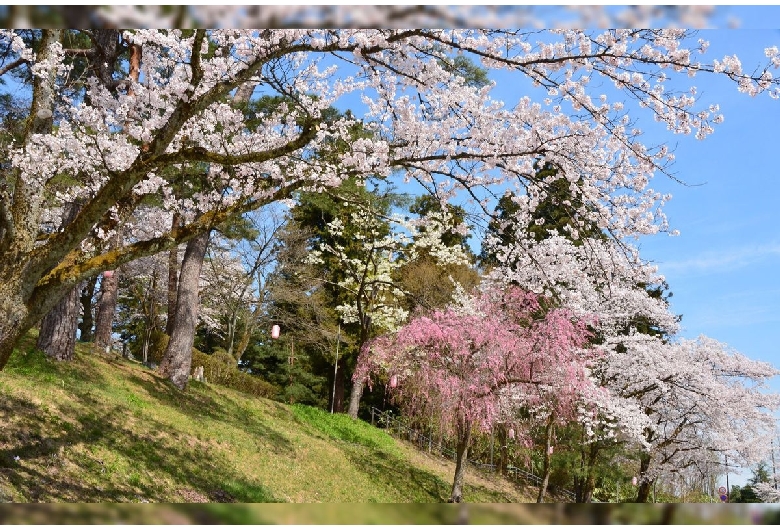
x=221 y=368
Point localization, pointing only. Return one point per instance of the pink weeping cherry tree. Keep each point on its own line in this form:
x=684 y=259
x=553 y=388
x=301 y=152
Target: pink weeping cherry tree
x=468 y=363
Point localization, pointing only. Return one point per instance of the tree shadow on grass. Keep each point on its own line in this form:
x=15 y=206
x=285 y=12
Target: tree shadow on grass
x=197 y=404
x=399 y=474
x=41 y=465
x=404 y=476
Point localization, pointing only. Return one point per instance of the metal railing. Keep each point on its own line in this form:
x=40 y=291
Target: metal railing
x=401 y=429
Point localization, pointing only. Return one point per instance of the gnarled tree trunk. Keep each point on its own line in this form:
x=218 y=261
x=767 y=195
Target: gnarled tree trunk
x=643 y=491
x=57 y=336
x=177 y=360
x=21 y=213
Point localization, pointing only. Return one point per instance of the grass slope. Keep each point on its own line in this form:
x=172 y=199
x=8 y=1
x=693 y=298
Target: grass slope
x=108 y=430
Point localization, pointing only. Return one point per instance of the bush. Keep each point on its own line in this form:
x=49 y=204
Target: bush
x=221 y=368
x=158 y=344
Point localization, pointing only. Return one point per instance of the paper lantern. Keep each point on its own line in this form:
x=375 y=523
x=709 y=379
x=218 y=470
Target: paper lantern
x=550 y=450
x=108 y=274
x=275 y=331
x=511 y=433
x=393 y=381
x=633 y=481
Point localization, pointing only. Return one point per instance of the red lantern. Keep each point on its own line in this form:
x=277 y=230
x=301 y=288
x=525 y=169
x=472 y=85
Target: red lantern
x=393 y=381
x=275 y=331
x=108 y=274
x=511 y=433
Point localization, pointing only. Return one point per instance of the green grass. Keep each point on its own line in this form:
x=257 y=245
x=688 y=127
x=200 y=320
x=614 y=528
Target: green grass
x=108 y=430
x=343 y=428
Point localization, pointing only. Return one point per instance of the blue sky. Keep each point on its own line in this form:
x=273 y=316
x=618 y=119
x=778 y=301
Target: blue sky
x=723 y=267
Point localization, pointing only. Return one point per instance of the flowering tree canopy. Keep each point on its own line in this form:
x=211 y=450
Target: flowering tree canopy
x=113 y=142
x=466 y=365
x=692 y=400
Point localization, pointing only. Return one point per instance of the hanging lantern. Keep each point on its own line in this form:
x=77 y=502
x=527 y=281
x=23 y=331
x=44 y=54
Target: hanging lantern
x=511 y=433
x=633 y=481
x=550 y=450
x=393 y=381
x=108 y=274
x=275 y=331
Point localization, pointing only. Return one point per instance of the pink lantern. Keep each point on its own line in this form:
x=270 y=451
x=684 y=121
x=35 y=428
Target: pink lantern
x=108 y=274
x=393 y=381
x=275 y=331
x=511 y=433
x=550 y=450
x=633 y=481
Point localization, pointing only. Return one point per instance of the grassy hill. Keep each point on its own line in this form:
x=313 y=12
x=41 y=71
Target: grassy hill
x=99 y=430
x=110 y=430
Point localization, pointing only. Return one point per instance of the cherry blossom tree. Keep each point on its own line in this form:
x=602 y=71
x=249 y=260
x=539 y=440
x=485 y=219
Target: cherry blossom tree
x=121 y=143
x=466 y=365
x=768 y=491
x=683 y=394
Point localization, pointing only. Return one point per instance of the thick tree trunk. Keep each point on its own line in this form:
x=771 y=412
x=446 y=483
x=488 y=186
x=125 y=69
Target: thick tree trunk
x=14 y=319
x=354 y=398
x=462 y=452
x=643 y=491
x=57 y=337
x=586 y=482
x=177 y=360
x=548 y=436
x=106 y=307
x=24 y=206
x=590 y=483
x=87 y=319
